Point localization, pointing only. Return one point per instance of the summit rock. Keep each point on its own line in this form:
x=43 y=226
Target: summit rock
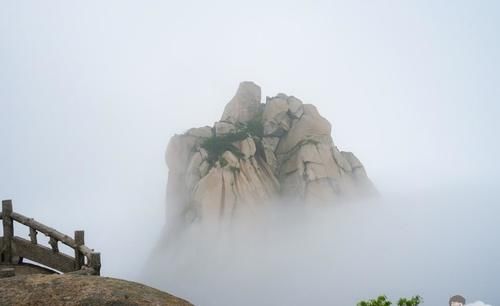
x=256 y=155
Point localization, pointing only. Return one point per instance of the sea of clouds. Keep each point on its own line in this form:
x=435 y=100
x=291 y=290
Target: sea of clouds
x=435 y=244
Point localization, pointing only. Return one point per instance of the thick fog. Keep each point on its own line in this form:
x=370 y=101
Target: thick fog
x=90 y=93
x=433 y=244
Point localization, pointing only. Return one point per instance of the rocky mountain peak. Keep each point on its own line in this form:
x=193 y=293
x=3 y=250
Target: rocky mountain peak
x=256 y=154
x=245 y=104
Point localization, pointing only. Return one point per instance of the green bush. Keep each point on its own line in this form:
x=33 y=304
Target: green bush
x=216 y=146
x=380 y=301
x=383 y=301
x=254 y=128
x=414 y=301
x=222 y=161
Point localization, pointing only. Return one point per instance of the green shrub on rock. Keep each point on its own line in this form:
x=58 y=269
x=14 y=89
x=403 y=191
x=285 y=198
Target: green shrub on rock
x=414 y=301
x=383 y=301
x=217 y=145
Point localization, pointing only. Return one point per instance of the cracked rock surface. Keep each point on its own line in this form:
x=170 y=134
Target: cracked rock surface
x=66 y=289
x=258 y=153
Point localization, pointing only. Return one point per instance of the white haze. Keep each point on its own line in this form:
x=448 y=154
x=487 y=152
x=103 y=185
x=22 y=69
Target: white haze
x=478 y=303
x=434 y=244
x=91 y=91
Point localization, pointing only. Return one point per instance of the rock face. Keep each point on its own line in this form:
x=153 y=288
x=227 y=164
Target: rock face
x=258 y=153
x=39 y=289
x=245 y=104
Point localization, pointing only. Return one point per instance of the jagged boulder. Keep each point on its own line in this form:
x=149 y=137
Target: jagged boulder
x=247 y=147
x=310 y=126
x=255 y=154
x=232 y=189
x=245 y=104
x=203 y=132
x=269 y=145
x=223 y=128
x=275 y=117
x=295 y=107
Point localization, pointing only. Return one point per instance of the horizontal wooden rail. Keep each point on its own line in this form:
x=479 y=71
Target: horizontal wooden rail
x=48 y=231
x=32 y=223
x=44 y=255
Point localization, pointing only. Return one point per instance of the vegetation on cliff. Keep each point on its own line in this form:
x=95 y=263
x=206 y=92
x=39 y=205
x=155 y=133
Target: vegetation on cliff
x=383 y=301
x=218 y=144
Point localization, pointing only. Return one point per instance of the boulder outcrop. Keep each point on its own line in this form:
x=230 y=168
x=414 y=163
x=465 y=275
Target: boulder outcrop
x=245 y=104
x=256 y=154
x=67 y=289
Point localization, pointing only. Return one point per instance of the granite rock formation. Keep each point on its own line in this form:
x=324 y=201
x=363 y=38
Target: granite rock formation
x=256 y=154
x=68 y=289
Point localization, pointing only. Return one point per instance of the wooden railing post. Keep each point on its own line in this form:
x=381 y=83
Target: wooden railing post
x=32 y=235
x=95 y=262
x=79 y=257
x=8 y=230
x=53 y=243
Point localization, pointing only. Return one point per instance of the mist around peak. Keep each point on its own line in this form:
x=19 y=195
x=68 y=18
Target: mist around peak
x=433 y=244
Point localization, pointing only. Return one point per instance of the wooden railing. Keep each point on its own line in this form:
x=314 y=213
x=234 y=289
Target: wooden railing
x=13 y=248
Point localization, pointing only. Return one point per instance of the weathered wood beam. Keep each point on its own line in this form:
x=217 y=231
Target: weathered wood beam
x=42 y=228
x=32 y=235
x=79 y=257
x=53 y=244
x=86 y=250
x=8 y=231
x=43 y=255
x=95 y=263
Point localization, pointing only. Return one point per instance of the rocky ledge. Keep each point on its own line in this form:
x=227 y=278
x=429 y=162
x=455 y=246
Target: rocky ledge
x=55 y=289
x=255 y=154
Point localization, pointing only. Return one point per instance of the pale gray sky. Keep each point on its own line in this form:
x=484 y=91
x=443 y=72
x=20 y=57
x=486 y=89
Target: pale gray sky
x=91 y=91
